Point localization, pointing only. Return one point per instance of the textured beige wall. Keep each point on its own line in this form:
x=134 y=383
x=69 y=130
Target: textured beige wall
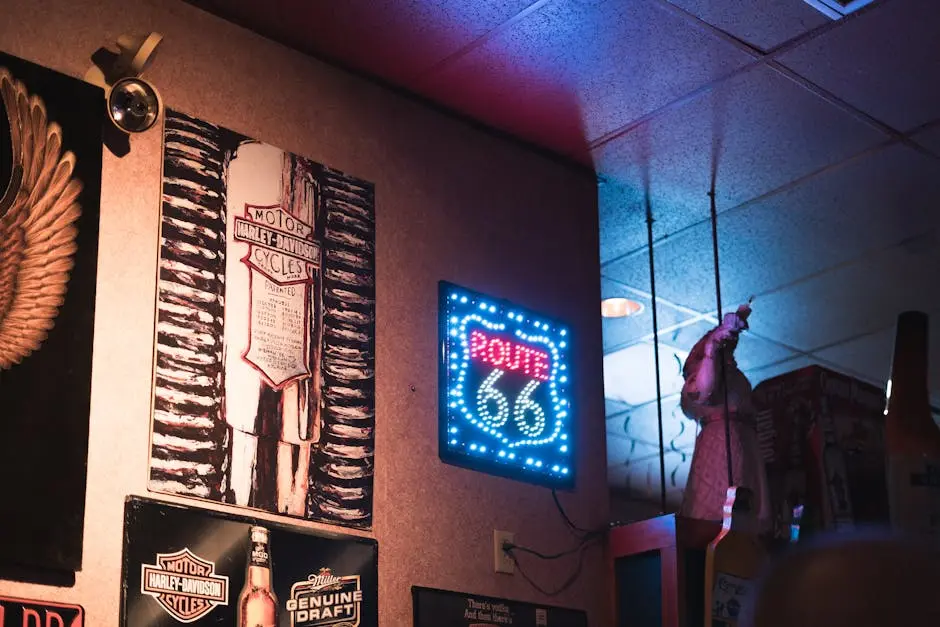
x=452 y=203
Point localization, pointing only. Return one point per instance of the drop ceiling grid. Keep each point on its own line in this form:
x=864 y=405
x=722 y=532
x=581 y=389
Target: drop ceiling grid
x=884 y=63
x=757 y=130
x=616 y=60
x=766 y=24
x=873 y=203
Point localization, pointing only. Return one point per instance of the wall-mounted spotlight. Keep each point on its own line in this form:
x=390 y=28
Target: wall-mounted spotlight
x=133 y=103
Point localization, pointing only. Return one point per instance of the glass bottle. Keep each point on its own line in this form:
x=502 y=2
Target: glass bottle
x=257 y=605
x=912 y=439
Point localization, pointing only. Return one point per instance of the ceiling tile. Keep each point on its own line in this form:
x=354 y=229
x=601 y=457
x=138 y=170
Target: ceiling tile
x=686 y=337
x=685 y=271
x=853 y=300
x=635 y=470
x=869 y=357
x=620 y=449
x=765 y=130
x=642 y=424
x=614 y=408
x=765 y=24
x=754 y=352
x=929 y=138
x=622 y=220
x=883 y=62
x=618 y=332
x=606 y=62
x=630 y=375
x=871 y=202
x=758 y=375
x=388 y=38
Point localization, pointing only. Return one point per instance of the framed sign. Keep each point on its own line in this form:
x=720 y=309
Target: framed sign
x=264 y=375
x=505 y=389
x=29 y=613
x=185 y=565
x=50 y=192
x=440 y=608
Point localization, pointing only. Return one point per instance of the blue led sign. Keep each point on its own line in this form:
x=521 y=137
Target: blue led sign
x=505 y=389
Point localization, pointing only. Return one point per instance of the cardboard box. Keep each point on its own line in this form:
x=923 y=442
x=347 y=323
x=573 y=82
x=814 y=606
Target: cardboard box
x=822 y=438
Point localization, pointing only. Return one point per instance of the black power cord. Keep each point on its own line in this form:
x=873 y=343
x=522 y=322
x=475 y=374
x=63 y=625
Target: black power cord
x=586 y=538
x=564 y=586
x=564 y=515
x=585 y=533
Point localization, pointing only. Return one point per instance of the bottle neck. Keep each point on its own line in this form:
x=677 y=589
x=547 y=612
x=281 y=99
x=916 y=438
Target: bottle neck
x=259 y=577
x=908 y=409
x=259 y=561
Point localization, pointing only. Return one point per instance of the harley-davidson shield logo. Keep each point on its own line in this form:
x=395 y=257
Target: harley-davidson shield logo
x=184 y=584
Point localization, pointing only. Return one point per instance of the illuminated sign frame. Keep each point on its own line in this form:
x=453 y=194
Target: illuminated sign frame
x=505 y=389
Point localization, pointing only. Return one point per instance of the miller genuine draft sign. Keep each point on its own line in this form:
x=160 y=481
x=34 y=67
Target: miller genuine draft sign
x=189 y=566
x=325 y=599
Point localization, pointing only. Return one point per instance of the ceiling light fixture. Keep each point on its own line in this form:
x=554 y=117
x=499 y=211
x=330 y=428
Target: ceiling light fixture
x=620 y=308
x=836 y=9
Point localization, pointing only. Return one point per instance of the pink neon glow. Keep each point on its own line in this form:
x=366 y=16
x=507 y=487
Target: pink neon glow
x=508 y=355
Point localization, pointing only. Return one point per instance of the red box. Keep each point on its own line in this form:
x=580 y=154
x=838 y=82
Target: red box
x=822 y=438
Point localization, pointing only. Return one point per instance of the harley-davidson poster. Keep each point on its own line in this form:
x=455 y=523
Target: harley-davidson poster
x=264 y=386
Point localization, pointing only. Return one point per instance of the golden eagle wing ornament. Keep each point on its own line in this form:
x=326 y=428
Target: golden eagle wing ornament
x=38 y=211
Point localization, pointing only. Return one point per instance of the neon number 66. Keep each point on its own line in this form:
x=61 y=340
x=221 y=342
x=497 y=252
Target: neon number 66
x=489 y=398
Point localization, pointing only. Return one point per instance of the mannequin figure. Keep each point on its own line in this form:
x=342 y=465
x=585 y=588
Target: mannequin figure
x=703 y=400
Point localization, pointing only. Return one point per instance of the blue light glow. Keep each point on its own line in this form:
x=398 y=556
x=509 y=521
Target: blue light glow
x=501 y=376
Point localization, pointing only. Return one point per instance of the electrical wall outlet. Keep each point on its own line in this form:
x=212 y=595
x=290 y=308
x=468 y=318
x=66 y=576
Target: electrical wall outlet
x=502 y=562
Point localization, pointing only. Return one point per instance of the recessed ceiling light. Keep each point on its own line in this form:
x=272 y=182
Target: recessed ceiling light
x=620 y=308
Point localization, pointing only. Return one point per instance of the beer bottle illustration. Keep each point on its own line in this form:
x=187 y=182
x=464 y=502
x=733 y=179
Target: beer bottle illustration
x=257 y=605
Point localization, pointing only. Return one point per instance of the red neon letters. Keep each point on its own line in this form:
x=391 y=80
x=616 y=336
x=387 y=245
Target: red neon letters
x=508 y=355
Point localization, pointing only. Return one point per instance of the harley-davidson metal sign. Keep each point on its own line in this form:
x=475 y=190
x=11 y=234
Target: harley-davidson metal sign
x=184 y=584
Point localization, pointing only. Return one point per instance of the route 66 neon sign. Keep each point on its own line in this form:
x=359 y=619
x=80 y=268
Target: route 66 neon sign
x=505 y=405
